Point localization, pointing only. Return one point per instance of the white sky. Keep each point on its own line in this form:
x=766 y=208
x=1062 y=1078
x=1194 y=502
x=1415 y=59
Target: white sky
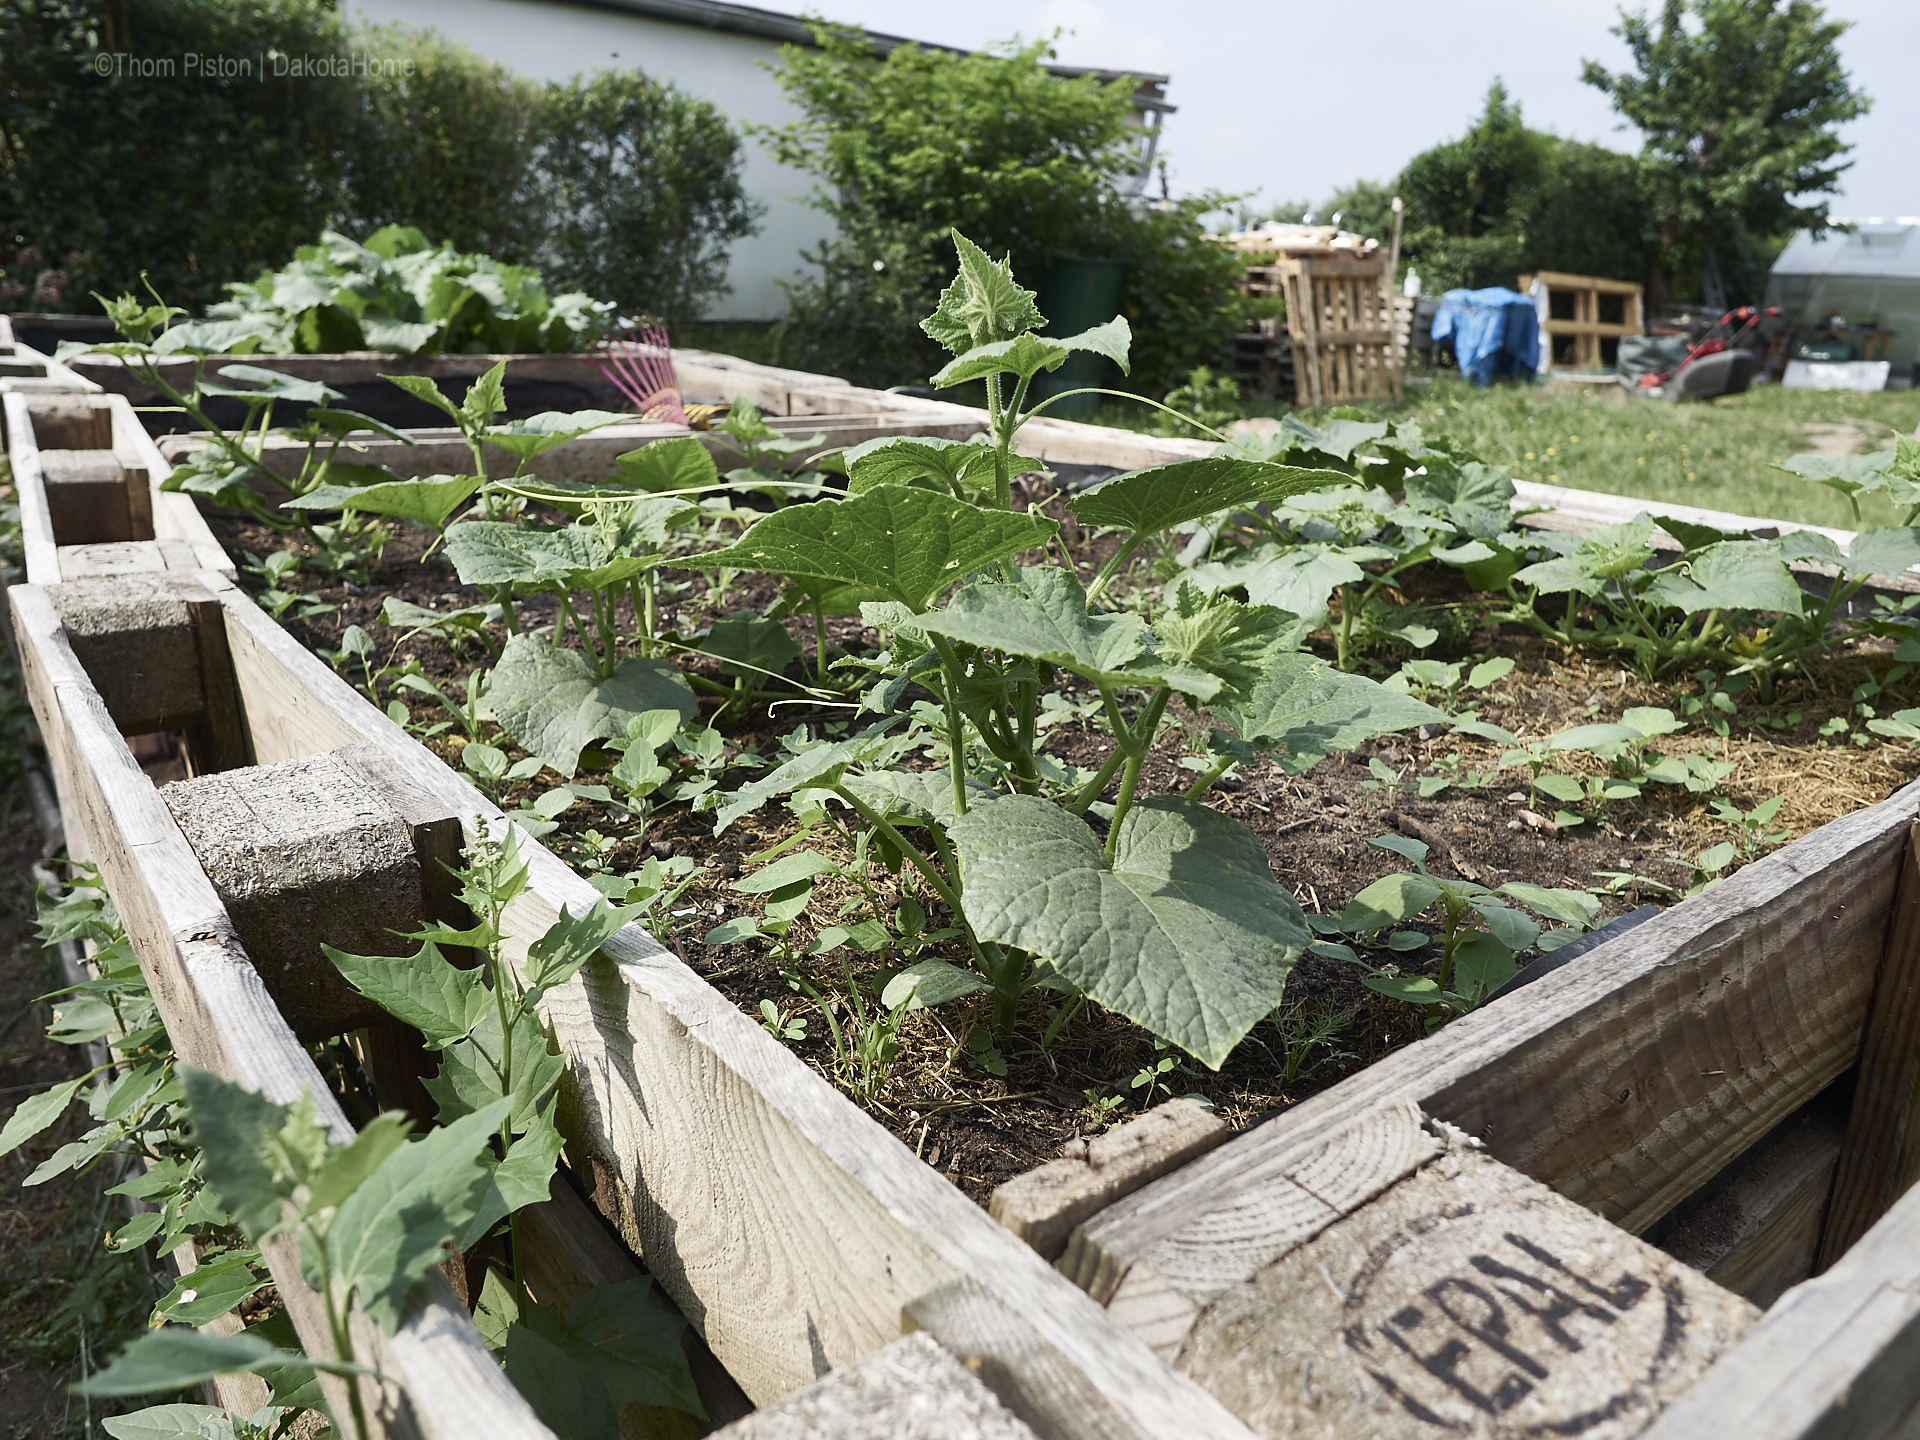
x=1295 y=99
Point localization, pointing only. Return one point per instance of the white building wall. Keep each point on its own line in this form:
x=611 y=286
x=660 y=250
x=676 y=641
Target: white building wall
x=553 y=41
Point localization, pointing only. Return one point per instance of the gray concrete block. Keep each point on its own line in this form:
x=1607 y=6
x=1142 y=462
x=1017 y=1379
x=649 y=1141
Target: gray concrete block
x=304 y=853
x=134 y=637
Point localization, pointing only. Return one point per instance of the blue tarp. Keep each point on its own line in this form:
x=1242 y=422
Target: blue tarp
x=1494 y=332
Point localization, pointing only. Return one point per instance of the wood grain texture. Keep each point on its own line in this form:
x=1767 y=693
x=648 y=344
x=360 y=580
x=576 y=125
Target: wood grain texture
x=1871 y=1177
x=566 y=1253
x=1755 y=1228
x=36 y=522
x=171 y=516
x=1161 y=1296
x=910 y=1390
x=1624 y=1082
x=1028 y=1375
x=1044 y=1205
x=1465 y=1301
x=219 y=1016
x=219 y=740
x=789 y=1227
x=1836 y=1358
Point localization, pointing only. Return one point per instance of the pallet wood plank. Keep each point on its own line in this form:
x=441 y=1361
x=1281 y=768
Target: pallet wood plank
x=910 y=1390
x=36 y=522
x=1836 y=1358
x=1871 y=1175
x=1163 y=1293
x=1044 y=1205
x=1469 y=1301
x=1030 y=1376
x=1625 y=1082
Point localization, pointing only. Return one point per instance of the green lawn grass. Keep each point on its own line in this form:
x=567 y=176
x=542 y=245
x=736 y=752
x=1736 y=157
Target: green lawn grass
x=1717 y=455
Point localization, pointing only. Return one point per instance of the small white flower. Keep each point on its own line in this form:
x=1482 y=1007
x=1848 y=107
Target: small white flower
x=187 y=1297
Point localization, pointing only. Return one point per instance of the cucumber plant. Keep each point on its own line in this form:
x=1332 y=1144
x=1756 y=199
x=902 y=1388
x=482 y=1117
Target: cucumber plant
x=1168 y=913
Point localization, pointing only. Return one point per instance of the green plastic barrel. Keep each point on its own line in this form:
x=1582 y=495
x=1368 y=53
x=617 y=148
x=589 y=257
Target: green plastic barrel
x=1077 y=293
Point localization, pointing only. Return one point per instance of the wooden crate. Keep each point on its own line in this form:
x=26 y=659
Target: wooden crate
x=1582 y=295
x=1347 y=343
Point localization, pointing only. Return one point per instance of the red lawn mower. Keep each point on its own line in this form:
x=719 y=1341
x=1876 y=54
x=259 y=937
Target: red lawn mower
x=1716 y=364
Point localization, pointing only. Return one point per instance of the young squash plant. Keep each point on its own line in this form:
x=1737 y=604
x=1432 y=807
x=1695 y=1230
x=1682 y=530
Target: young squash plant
x=1167 y=913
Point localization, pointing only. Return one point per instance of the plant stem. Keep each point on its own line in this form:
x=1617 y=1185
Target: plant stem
x=1090 y=791
x=956 y=722
x=1200 y=786
x=819 y=642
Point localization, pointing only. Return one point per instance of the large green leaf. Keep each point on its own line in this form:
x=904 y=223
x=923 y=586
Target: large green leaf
x=983 y=304
x=1235 y=643
x=1603 y=556
x=232 y=1126
x=212 y=1288
x=396 y=1224
x=1476 y=499
x=1733 y=575
x=899 y=541
x=914 y=797
x=1188 y=934
x=1027 y=355
x=958 y=467
x=1043 y=616
x=176 y=1357
x=1886 y=550
x=617 y=1330
x=263 y=384
x=1300 y=581
x=569 y=1398
x=1308 y=710
x=439 y=1000
x=584 y=555
x=683 y=463
x=171 y=1422
x=36 y=1113
x=549 y=430
x=551 y=700
x=427 y=501
x=1162 y=496
x=750 y=644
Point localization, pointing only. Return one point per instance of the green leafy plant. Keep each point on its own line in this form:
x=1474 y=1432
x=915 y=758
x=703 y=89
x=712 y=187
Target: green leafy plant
x=1007 y=848
x=400 y=293
x=1481 y=933
x=614 y=1348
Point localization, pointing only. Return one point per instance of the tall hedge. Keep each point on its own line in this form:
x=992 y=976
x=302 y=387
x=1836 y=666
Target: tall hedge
x=117 y=157
x=195 y=178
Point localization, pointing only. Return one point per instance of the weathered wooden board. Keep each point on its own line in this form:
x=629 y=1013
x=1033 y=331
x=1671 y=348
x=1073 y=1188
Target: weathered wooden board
x=1465 y=1301
x=1834 y=1359
x=1044 y=1205
x=788 y=1226
x=1877 y=1166
x=1624 y=1082
x=220 y=1017
x=909 y=1390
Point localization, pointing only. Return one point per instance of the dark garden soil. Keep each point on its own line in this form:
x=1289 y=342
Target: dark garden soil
x=980 y=1127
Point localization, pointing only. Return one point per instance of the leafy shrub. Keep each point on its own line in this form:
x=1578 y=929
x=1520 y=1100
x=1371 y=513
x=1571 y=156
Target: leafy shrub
x=643 y=186
x=913 y=146
x=620 y=185
x=195 y=179
x=399 y=292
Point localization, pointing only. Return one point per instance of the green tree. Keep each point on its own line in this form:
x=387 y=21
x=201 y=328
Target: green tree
x=643 y=192
x=1505 y=199
x=1737 y=101
x=912 y=146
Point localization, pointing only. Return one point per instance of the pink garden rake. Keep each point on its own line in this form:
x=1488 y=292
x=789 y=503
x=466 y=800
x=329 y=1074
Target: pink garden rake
x=642 y=369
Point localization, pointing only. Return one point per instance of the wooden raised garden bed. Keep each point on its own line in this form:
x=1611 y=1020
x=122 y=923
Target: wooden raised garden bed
x=1444 y=1242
